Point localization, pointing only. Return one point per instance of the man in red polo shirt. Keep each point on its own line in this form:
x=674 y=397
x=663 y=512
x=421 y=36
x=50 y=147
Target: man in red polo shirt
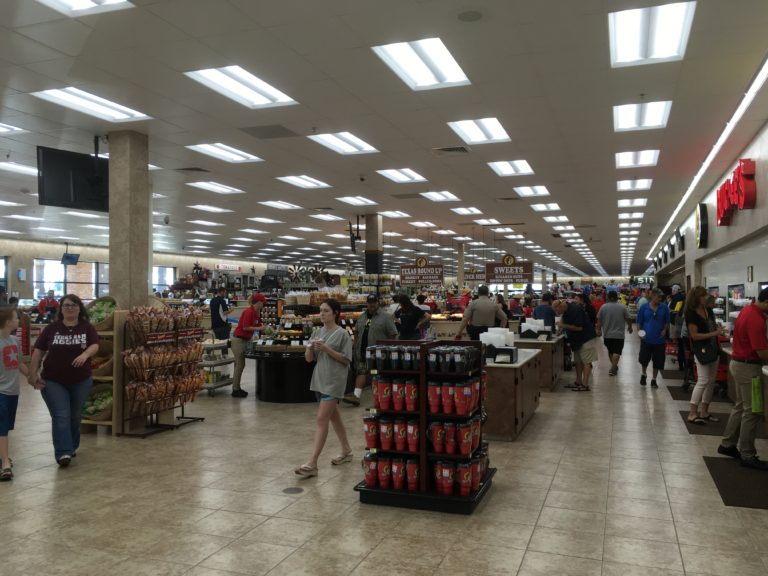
x=750 y=351
x=250 y=322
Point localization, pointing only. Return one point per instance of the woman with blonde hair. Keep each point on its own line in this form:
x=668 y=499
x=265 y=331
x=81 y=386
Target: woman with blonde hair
x=703 y=333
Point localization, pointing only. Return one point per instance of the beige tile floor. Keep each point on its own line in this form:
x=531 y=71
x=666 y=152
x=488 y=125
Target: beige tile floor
x=607 y=482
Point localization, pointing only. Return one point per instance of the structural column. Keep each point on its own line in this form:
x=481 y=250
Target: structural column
x=374 y=253
x=130 y=219
x=543 y=280
x=460 y=266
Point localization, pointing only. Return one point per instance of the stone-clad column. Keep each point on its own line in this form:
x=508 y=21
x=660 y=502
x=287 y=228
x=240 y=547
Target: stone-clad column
x=374 y=253
x=460 y=266
x=130 y=219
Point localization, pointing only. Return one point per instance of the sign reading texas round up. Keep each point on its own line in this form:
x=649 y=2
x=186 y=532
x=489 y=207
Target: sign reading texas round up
x=509 y=271
x=421 y=274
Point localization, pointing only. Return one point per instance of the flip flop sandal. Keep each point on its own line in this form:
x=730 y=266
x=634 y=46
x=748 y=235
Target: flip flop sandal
x=343 y=459
x=6 y=474
x=711 y=418
x=306 y=471
x=580 y=389
x=699 y=421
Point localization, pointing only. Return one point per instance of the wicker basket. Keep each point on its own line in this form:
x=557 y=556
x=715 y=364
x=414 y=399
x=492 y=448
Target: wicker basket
x=109 y=322
x=105 y=414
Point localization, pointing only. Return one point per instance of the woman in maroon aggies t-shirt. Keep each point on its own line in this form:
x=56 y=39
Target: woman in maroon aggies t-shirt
x=66 y=346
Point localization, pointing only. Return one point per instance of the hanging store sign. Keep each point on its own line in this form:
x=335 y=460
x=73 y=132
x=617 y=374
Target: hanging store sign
x=474 y=275
x=421 y=273
x=740 y=192
x=509 y=271
x=702 y=226
x=230 y=267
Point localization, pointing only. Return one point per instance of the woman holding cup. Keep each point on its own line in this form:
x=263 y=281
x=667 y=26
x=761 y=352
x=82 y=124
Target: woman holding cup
x=331 y=348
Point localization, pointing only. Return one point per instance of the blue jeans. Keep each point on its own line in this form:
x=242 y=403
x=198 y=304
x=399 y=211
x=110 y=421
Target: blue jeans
x=65 y=404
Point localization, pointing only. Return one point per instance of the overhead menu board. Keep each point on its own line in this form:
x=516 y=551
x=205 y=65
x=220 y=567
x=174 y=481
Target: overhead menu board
x=421 y=273
x=509 y=271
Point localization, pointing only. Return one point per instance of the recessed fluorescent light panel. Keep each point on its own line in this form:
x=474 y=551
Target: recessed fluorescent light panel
x=550 y=207
x=356 y=200
x=280 y=205
x=24 y=217
x=80 y=214
x=482 y=131
x=632 y=202
x=395 y=214
x=253 y=231
x=208 y=208
x=203 y=233
x=531 y=191
x=204 y=223
x=241 y=86
x=8 y=203
x=266 y=220
x=90 y=104
x=224 y=152
x=511 y=168
x=555 y=219
x=463 y=238
x=466 y=210
x=77 y=8
x=423 y=64
x=424 y=224
x=343 y=143
x=630 y=185
x=504 y=230
x=7 y=128
x=487 y=222
x=631 y=215
x=18 y=168
x=402 y=175
x=637 y=159
x=443 y=196
x=650 y=35
x=216 y=187
x=645 y=116
x=326 y=217
x=305 y=229
x=303 y=181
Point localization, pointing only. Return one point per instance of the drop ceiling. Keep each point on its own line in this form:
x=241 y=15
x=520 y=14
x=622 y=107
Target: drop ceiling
x=542 y=68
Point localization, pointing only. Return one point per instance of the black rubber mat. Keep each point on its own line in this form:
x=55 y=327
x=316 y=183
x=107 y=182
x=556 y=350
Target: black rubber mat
x=738 y=486
x=673 y=374
x=716 y=428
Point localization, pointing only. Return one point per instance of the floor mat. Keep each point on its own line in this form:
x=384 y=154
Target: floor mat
x=678 y=393
x=716 y=428
x=738 y=486
x=673 y=374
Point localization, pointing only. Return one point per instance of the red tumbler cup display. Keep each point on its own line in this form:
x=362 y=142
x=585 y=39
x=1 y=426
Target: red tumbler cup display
x=412 y=435
x=450 y=437
x=412 y=474
x=371 y=429
x=386 y=432
x=385 y=394
x=447 y=398
x=385 y=471
x=476 y=429
x=437 y=435
x=375 y=391
x=438 y=477
x=371 y=467
x=398 y=473
x=434 y=392
x=465 y=436
x=476 y=476
x=464 y=478
x=411 y=396
x=460 y=400
x=398 y=395
x=449 y=471
x=399 y=431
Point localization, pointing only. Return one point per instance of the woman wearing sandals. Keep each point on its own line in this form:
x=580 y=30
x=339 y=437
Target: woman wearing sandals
x=332 y=349
x=701 y=327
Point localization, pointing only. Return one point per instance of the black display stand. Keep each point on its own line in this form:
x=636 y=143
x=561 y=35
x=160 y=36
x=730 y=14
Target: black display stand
x=427 y=497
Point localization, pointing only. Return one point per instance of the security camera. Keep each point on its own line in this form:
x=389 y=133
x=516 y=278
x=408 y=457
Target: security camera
x=167 y=219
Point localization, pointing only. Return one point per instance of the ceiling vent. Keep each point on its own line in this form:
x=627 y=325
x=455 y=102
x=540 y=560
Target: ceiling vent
x=192 y=169
x=451 y=151
x=555 y=235
x=270 y=131
x=507 y=199
x=407 y=196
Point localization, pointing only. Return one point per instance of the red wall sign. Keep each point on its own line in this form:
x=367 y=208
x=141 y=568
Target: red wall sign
x=738 y=192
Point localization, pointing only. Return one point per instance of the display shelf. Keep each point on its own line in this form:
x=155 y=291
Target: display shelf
x=106 y=333
x=392 y=412
x=116 y=336
x=455 y=456
x=453 y=375
x=395 y=372
x=427 y=500
x=104 y=378
x=392 y=452
x=88 y=422
x=215 y=345
x=439 y=416
x=211 y=387
x=214 y=363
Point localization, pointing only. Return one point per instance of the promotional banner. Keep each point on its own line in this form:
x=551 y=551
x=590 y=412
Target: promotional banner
x=509 y=271
x=421 y=273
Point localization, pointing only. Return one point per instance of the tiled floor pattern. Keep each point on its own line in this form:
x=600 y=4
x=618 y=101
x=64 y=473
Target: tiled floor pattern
x=607 y=482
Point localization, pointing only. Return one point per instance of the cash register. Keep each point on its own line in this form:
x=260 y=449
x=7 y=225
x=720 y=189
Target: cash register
x=501 y=354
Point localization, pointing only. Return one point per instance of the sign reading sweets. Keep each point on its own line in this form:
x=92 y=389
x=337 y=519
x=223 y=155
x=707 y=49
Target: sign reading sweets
x=422 y=273
x=509 y=271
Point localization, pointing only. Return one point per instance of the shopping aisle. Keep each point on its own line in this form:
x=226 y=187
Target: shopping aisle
x=607 y=482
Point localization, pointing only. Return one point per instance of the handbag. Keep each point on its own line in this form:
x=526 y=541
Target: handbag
x=706 y=351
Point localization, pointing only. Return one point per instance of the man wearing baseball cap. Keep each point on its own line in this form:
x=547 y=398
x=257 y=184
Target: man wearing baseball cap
x=371 y=327
x=249 y=322
x=750 y=352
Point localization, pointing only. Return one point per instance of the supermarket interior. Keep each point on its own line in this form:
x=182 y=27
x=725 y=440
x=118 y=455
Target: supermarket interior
x=323 y=288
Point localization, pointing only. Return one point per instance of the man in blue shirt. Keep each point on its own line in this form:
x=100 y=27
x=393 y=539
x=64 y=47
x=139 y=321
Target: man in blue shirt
x=582 y=338
x=652 y=324
x=544 y=311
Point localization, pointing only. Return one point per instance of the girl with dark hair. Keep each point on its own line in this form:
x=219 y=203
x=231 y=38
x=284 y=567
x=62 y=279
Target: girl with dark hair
x=67 y=345
x=702 y=330
x=332 y=350
x=409 y=318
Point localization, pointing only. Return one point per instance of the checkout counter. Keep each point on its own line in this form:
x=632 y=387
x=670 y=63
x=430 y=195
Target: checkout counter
x=512 y=394
x=282 y=374
x=726 y=352
x=551 y=359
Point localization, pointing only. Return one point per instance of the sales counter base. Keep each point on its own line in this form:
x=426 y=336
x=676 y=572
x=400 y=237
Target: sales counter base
x=426 y=500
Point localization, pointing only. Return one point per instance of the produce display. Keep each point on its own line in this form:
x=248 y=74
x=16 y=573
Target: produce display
x=98 y=401
x=100 y=311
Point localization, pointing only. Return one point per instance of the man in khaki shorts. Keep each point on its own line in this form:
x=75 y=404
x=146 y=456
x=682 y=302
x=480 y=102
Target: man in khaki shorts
x=582 y=338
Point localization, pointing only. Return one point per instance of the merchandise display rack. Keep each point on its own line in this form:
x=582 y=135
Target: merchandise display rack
x=427 y=496
x=209 y=365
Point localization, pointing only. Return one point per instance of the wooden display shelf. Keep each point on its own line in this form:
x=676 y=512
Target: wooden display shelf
x=220 y=362
x=104 y=378
x=109 y=333
x=88 y=422
x=426 y=500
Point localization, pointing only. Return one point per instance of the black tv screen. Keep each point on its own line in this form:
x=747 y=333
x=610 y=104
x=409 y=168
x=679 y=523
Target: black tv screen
x=72 y=180
x=70 y=259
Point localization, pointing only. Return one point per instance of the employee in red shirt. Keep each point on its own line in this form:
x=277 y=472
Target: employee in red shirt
x=750 y=351
x=48 y=302
x=249 y=322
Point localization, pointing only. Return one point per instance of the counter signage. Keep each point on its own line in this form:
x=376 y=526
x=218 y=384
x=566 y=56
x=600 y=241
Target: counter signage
x=231 y=267
x=421 y=273
x=738 y=193
x=509 y=271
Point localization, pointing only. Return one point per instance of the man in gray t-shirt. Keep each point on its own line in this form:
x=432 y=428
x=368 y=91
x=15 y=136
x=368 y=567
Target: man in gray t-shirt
x=612 y=319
